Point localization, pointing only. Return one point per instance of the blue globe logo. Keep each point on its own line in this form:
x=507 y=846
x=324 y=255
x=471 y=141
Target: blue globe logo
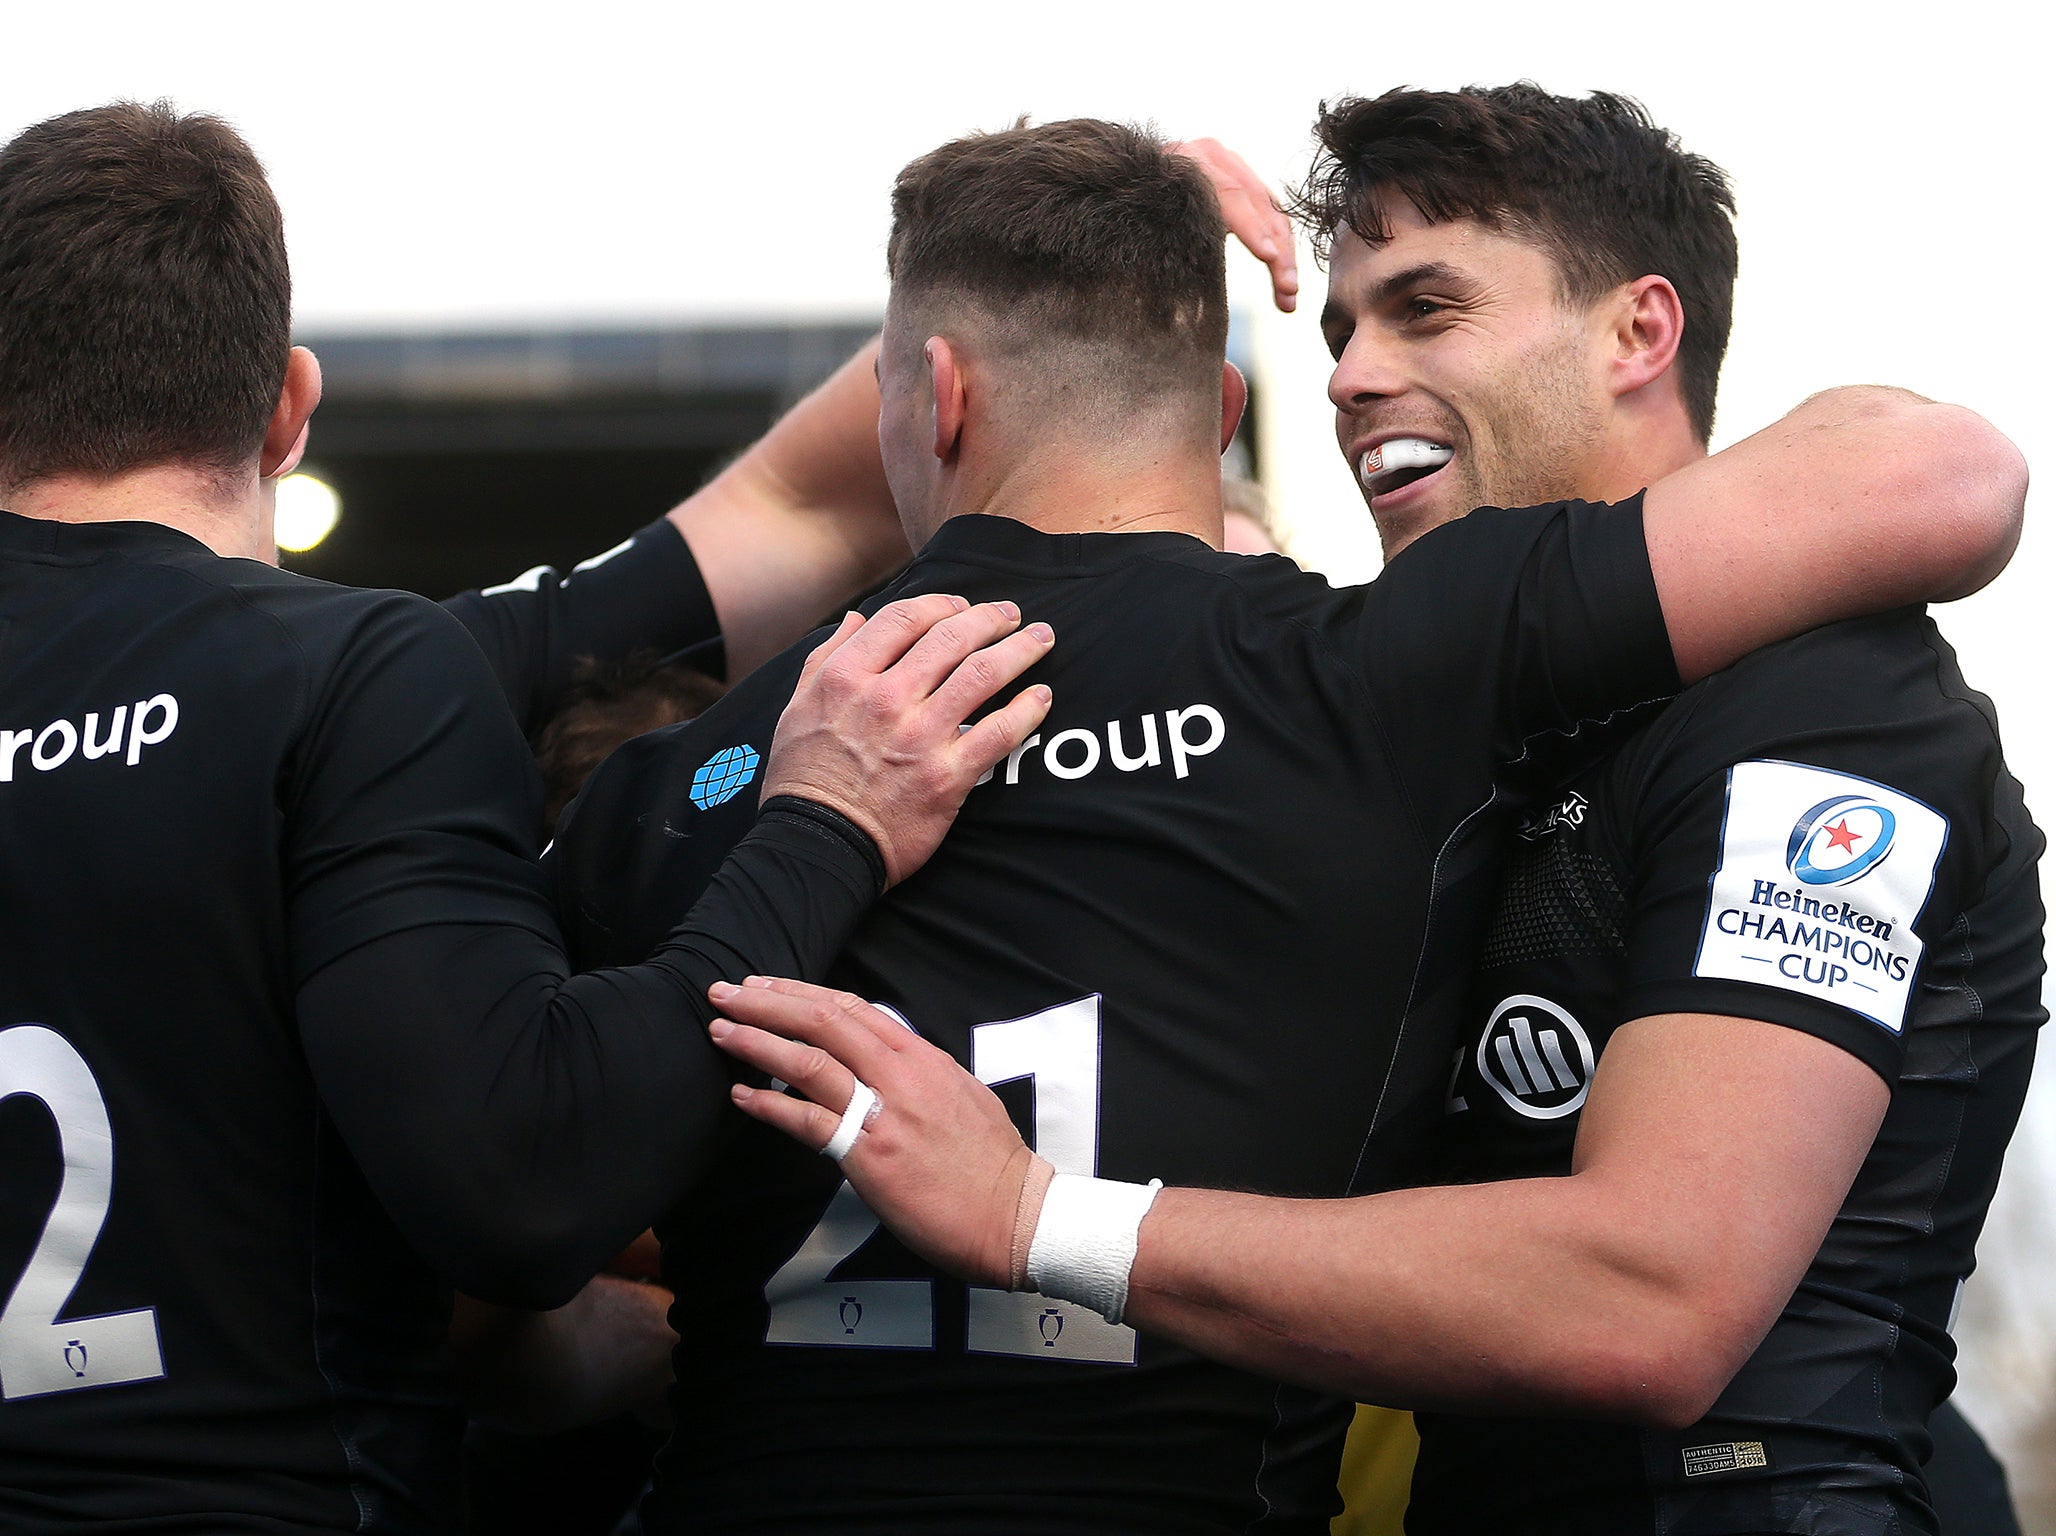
x=723 y=776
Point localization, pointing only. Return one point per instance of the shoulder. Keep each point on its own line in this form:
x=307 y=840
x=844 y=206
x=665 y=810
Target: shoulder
x=1880 y=695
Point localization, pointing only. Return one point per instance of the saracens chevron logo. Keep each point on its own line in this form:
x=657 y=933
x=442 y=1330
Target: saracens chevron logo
x=1536 y=1057
x=1840 y=840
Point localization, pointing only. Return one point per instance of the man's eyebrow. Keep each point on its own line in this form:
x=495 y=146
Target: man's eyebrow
x=1421 y=274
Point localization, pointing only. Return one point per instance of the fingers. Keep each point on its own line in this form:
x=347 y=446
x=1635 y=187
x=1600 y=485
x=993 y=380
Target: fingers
x=981 y=674
x=888 y=1029
x=807 y=1068
x=808 y=1124
x=948 y=647
x=831 y=1026
x=818 y=656
x=984 y=744
x=1251 y=213
x=894 y=630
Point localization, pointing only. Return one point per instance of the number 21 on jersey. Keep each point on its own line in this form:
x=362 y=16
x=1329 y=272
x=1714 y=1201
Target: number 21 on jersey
x=1059 y=1049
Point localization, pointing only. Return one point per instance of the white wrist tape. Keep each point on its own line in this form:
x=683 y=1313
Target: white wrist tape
x=1084 y=1243
x=863 y=1104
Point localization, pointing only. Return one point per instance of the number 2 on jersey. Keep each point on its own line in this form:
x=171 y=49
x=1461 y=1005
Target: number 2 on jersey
x=39 y=1354
x=1059 y=1049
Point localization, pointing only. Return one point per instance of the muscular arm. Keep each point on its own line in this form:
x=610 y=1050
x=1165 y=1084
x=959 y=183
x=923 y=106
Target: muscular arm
x=1861 y=500
x=801 y=523
x=1712 y=1155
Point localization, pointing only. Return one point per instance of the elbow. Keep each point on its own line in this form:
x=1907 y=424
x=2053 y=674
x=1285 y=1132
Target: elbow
x=1661 y=1374
x=1981 y=488
x=1956 y=484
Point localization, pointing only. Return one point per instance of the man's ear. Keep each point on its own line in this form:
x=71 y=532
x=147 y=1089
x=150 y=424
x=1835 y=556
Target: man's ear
x=946 y=381
x=1234 y=401
x=285 y=438
x=1648 y=327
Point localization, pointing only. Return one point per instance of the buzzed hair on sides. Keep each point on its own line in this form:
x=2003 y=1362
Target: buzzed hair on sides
x=1082 y=241
x=1605 y=192
x=145 y=303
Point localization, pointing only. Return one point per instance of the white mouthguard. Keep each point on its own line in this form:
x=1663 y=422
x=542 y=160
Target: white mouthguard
x=1403 y=453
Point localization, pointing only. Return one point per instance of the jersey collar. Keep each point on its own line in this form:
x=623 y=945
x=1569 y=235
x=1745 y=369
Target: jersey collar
x=980 y=539
x=44 y=536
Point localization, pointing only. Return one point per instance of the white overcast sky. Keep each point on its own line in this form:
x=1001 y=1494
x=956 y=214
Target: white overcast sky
x=600 y=162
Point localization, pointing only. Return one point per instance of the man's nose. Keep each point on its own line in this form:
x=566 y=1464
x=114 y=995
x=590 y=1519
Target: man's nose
x=1368 y=370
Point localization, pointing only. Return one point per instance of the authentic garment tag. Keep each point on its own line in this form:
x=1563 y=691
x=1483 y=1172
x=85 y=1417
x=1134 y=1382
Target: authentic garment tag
x=1822 y=876
x=1733 y=1456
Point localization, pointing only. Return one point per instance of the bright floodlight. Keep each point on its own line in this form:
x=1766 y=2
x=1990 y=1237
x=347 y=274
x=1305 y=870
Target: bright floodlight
x=305 y=512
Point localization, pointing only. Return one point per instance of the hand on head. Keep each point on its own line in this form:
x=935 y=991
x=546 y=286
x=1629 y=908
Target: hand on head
x=939 y=1160
x=1252 y=214
x=872 y=729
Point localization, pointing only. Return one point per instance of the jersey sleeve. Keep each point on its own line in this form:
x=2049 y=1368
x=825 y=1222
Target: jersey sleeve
x=1489 y=641
x=646 y=593
x=410 y=797
x=1804 y=836
x=656 y=819
x=520 y=1123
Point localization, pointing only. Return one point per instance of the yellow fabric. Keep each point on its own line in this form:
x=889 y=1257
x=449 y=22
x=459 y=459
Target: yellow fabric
x=1377 y=1468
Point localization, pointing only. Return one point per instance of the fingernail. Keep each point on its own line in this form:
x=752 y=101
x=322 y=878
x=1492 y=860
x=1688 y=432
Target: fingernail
x=1043 y=633
x=1042 y=693
x=721 y=991
x=756 y=981
x=740 y=1094
x=960 y=603
x=1011 y=610
x=720 y=1029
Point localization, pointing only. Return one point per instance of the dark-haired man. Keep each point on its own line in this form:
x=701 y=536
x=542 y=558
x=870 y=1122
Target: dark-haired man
x=284 y=1016
x=1239 y=749
x=1729 y=915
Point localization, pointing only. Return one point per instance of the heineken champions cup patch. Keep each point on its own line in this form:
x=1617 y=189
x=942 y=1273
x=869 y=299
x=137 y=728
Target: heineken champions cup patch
x=1822 y=876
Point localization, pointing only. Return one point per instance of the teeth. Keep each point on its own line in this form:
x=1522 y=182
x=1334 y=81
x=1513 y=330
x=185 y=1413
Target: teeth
x=1403 y=453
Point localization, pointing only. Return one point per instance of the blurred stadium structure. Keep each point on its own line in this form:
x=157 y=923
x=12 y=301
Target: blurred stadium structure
x=465 y=457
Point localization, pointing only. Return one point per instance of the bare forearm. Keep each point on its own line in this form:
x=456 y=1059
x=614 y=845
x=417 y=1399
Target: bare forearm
x=1862 y=499
x=1504 y=1296
x=801 y=523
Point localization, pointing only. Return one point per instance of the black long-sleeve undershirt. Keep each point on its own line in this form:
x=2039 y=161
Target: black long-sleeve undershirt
x=520 y=1123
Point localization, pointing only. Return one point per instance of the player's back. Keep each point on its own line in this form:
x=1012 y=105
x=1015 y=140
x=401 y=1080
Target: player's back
x=1177 y=931
x=208 y=1323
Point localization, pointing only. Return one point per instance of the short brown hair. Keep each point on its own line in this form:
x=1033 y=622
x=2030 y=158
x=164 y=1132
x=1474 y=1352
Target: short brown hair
x=1609 y=195
x=145 y=306
x=1076 y=232
x=609 y=705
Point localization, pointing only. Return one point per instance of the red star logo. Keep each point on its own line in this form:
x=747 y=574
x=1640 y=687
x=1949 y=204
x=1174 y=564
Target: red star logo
x=1839 y=836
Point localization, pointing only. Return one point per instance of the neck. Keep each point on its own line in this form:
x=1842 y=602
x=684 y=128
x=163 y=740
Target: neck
x=1068 y=487
x=229 y=522
x=1646 y=446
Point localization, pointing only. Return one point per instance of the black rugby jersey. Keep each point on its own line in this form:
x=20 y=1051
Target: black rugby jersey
x=250 y=819
x=644 y=594
x=1824 y=837
x=1178 y=931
